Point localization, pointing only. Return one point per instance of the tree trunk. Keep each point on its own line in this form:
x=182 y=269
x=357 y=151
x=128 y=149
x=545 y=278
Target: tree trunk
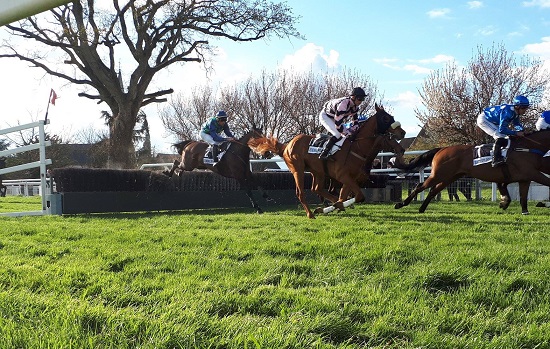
x=121 y=145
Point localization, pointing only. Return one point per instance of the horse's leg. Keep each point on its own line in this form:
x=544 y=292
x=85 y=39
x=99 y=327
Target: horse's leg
x=523 y=192
x=174 y=166
x=504 y=195
x=318 y=187
x=436 y=189
x=247 y=183
x=419 y=188
x=298 y=174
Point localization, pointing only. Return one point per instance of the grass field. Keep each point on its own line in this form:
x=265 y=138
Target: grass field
x=461 y=275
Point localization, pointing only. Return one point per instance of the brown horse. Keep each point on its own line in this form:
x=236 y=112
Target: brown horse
x=523 y=165
x=234 y=164
x=345 y=166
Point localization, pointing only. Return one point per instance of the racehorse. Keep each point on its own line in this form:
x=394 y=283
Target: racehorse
x=523 y=165
x=344 y=166
x=234 y=164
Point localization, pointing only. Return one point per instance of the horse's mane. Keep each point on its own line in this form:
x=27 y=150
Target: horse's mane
x=264 y=144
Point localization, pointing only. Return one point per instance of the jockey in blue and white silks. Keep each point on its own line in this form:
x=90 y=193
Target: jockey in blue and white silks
x=497 y=120
x=334 y=114
x=211 y=132
x=543 y=122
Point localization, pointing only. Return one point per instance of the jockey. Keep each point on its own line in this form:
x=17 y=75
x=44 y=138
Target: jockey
x=496 y=122
x=334 y=114
x=211 y=132
x=543 y=122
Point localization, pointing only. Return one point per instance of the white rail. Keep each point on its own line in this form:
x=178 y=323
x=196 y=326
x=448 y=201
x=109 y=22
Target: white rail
x=41 y=163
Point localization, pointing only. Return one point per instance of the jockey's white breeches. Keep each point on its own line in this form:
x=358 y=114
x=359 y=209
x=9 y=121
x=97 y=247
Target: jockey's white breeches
x=329 y=124
x=208 y=138
x=541 y=124
x=488 y=127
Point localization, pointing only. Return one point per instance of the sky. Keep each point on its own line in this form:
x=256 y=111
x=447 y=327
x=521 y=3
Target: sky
x=396 y=43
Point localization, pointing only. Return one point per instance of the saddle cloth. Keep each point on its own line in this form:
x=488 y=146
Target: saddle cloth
x=484 y=153
x=317 y=144
x=208 y=159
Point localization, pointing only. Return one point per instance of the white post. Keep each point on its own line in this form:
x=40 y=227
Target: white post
x=14 y=10
x=43 y=184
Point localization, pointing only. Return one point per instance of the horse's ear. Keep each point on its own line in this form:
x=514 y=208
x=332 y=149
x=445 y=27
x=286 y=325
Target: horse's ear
x=378 y=107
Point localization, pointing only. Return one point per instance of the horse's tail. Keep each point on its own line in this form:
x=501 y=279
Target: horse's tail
x=420 y=161
x=181 y=145
x=262 y=145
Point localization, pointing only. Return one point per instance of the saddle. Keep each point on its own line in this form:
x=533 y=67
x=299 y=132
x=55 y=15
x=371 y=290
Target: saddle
x=208 y=159
x=484 y=153
x=317 y=144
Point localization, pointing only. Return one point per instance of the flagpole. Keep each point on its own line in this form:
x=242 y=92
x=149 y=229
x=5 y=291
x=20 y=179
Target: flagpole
x=48 y=107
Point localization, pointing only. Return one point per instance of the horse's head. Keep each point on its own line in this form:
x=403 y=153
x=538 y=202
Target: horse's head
x=254 y=133
x=387 y=124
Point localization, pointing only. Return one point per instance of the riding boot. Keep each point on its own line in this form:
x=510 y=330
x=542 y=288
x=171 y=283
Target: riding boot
x=215 y=152
x=498 y=159
x=328 y=147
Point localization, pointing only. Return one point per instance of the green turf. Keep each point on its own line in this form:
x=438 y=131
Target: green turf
x=461 y=275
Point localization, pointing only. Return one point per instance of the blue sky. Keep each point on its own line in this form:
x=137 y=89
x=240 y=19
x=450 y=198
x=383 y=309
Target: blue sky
x=396 y=43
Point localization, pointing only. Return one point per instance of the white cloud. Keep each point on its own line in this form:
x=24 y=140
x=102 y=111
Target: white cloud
x=475 y=4
x=416 y=69
x=541 y=49
x=489 y=30
x=311 y=57
x=439 y=13
x=437 y=59
x=539 y=3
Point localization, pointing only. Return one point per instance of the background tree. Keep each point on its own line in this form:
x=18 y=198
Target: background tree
x=155 y=34
x=284 y=103
x=453 y=97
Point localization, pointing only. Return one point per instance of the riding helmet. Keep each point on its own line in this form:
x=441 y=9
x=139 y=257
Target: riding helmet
x=521 y=101
x=546 y=116
x=222 y=115
x=358 y=92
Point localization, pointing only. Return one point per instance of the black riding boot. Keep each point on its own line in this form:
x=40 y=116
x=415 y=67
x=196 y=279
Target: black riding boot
x=497 y=152
x=215 y=152
x=328 y=147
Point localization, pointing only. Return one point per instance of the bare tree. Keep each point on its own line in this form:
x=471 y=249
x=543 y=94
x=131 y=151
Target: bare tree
x=453 y=97
x=154 y=34
x=284 y=103
x=184 y=115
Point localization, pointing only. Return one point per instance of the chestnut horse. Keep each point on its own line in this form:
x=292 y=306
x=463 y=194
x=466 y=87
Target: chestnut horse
x=235 y=163
x=523 y=165
x=345 y=166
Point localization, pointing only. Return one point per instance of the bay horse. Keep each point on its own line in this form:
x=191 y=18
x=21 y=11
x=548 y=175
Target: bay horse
x=345 y=166
x=523 y=165
x=235 y=163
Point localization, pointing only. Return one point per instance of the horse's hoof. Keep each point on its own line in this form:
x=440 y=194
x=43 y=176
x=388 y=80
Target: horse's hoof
x=540 y=204
x=260 y=211
x=398 y=205
x=318 y=210
x=525 y=213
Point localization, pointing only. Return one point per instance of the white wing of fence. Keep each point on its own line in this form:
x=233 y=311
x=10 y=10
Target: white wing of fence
x=41 y=163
